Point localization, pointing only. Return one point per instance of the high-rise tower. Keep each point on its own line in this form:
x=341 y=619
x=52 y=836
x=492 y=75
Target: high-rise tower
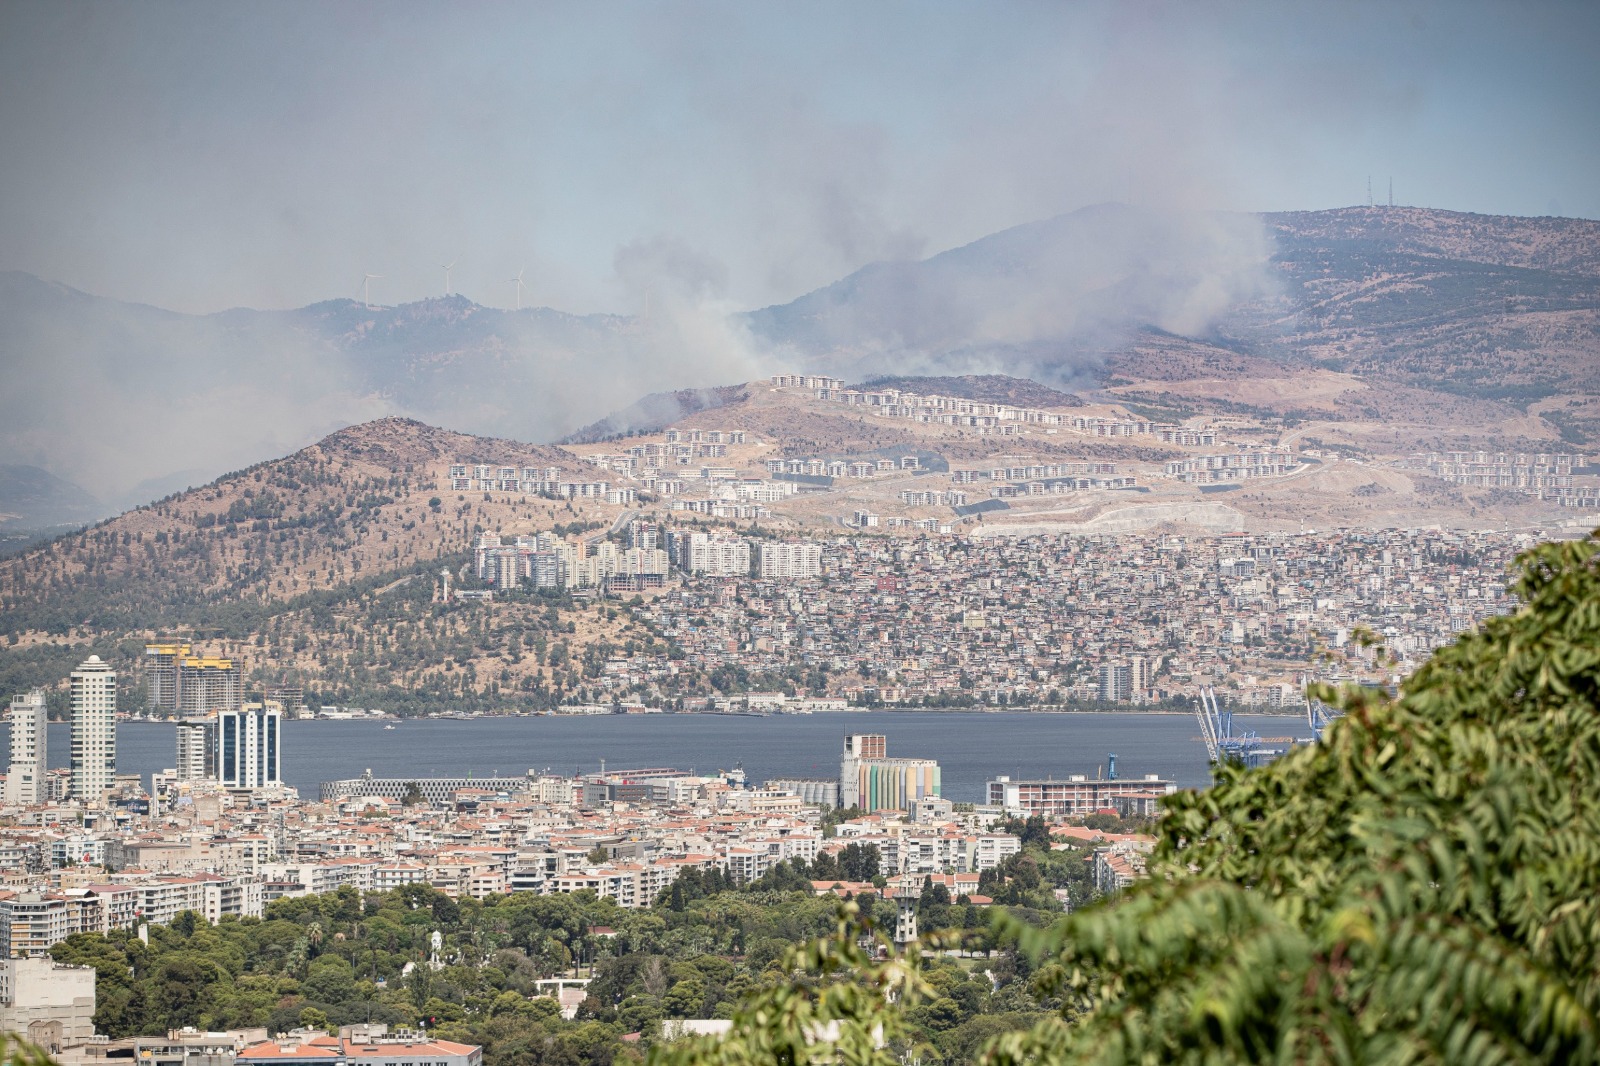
x=25 y=777
x=248 y=745
x=94 y=729
x=184 y=684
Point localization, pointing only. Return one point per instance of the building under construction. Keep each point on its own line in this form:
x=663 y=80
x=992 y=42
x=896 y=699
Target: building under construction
x=182 y=683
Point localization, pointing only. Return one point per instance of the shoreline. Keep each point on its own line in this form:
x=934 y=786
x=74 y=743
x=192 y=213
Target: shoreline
x=1154 y=712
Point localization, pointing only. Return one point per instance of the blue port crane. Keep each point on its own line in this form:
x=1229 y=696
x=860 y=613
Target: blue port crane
x=1222 y=743
x=1318 y=715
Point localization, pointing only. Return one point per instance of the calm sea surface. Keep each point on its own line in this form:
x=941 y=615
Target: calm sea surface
x=971 y=748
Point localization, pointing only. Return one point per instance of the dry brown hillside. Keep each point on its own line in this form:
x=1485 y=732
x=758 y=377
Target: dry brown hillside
x=319 y=566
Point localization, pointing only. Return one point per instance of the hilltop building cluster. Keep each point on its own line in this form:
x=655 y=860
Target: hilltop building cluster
x=531 y=481
x=828 y=470
x=1233 y=466
x=1542 y=475
x=650 y=558
x=743 y=479
x=989 y=419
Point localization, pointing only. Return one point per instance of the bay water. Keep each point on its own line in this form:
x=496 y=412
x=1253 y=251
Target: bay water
x=972 y=748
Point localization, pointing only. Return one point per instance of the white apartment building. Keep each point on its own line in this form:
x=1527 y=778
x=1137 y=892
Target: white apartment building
x=320 y=877
x=30 y=922
x=790 y=560
x=227 y=895
x=25 y=776
x=718 y=555
x=94 y=729
x=990 y=850
x=196 y=751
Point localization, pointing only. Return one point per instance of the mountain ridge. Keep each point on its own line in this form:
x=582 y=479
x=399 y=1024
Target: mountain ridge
x=1491 y=308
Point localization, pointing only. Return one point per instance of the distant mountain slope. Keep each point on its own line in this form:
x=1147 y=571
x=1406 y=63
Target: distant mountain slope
x=354 y=504
x=656 y=411
x=1486 y=307
x=32 y=498
x=1044 y=300
x=1565 y=245
x=1479 y=306
x=986 y=388
x=121 y=397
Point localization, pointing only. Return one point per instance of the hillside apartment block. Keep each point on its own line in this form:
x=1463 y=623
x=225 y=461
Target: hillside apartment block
x=989 y=418
x=1548 y=476
x=546 y=561
x=31 y=921
x=532 y=481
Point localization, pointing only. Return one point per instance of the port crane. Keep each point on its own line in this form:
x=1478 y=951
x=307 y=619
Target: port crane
x=1222 y=744
x=1318 y=715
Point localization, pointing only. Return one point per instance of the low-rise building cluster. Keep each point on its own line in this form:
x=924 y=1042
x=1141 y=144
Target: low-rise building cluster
x=622 y=834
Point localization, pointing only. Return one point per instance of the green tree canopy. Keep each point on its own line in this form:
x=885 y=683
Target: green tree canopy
x=1422 y=886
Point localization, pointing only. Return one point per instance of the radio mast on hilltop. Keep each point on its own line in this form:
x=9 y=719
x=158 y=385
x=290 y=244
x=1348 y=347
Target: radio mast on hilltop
x=1369 y=190
x=1391 y=191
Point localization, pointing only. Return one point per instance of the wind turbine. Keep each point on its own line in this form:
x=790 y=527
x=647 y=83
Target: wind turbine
x=518 y=282
x=447 y=267
x=366 y=289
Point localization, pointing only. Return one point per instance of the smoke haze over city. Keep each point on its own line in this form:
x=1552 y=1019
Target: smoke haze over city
x=199 y=157
x=663 y=169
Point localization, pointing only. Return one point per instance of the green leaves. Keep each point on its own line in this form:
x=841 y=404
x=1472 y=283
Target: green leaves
x=1423 y=886
x=15 y=1051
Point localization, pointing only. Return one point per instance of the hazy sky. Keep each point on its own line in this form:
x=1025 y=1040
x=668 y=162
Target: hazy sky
x=200 y=156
